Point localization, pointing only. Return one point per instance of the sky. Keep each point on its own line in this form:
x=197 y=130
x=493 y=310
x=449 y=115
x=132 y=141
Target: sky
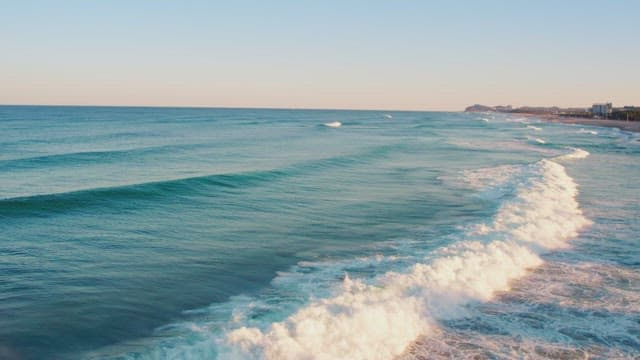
x=348 y=54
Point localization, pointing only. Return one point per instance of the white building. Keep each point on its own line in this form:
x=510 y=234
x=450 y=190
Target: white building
x=601 y=109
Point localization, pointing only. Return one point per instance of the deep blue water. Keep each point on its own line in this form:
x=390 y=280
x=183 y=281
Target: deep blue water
x=239 y=233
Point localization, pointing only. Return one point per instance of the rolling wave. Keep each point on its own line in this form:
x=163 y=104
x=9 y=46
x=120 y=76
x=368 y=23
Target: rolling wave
x=206 y=185
x=62 y=202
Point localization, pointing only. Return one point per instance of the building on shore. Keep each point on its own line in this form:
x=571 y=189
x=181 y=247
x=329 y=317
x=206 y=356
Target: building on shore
x=505 y=108
x=602 y=109
x=599 y=110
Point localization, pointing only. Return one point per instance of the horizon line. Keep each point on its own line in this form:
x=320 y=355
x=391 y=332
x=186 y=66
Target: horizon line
x=230 y=107
x=284 y=108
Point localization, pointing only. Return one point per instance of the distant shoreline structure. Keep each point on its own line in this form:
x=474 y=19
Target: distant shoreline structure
x=586 y=117
x=596 y=111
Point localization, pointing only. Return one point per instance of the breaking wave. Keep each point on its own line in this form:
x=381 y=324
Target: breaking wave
x=380 y=318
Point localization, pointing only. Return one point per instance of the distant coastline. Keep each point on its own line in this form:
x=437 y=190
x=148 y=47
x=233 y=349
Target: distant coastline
x=572 y=115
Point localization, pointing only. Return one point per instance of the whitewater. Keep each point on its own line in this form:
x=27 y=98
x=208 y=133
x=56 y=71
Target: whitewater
x=144 y=233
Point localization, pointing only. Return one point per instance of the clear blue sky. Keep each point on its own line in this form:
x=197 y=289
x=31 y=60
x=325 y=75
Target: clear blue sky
x=320 y=54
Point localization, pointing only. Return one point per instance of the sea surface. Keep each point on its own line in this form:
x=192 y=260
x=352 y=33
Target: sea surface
x=179 y=233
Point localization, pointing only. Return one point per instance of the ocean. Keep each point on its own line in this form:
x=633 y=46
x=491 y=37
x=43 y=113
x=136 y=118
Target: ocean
x=202 y=233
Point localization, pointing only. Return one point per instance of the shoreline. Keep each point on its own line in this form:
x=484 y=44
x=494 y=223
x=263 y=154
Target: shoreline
x=633 y=126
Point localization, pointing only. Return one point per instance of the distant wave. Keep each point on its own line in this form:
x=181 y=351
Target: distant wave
x=82 y=138
x=501 y=145
x=333 y=124
x=74 y=158
x=583 y=131
x=535 y=128
x=575 y=154
x=378 y=320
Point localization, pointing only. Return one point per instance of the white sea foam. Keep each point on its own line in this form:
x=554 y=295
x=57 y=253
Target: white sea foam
x=539 y=141
x=583 y=131
x=388 y=116
x=535 y=128
x=581 y=300
x=489 y=178
x=480 y=345
x=333 y=124
x=522 y=120
x=576 y=154
x=380 y=318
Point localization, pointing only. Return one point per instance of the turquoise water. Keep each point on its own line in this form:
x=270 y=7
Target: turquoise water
x=160 y=233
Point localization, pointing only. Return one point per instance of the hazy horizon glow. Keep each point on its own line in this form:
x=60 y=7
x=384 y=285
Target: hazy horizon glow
x=392 y=55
